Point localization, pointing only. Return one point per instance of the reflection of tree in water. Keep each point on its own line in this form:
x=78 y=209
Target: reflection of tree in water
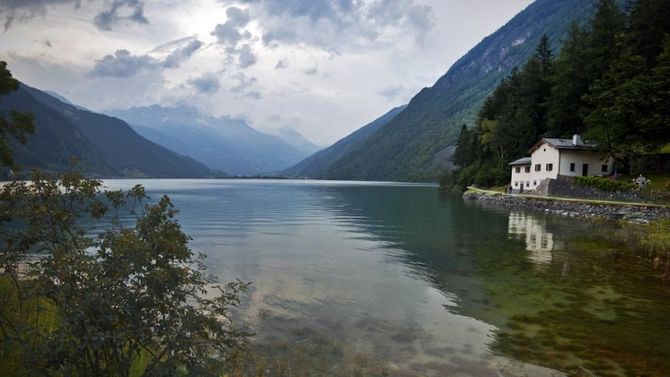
x=594 y=308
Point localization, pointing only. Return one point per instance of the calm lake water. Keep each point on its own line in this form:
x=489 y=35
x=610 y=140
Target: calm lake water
x=400 y=280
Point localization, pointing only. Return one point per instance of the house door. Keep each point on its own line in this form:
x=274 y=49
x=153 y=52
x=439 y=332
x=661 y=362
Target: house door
x=585 y=170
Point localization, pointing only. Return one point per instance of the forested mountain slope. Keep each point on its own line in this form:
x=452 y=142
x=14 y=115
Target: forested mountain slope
x=104 y=146
x=317 y=166
x=408 y=147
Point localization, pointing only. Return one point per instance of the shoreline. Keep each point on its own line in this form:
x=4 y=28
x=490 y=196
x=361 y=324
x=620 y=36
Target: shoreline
x=638 y=213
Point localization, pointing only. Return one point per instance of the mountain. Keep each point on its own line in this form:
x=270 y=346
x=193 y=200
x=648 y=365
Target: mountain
x=104 y=146
x=222 y=143
x=317 y=166
x=297 y=140
x=415 y=145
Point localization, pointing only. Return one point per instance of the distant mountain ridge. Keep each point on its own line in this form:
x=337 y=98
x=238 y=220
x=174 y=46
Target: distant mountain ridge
x=297 y=140
x=317 y=166
x=105 y=146
x=416 y=144
x=224 y=143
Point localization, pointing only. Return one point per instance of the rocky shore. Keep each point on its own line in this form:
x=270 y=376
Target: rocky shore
x=631 y=213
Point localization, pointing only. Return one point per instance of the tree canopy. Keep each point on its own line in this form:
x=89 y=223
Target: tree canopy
x=610 y=81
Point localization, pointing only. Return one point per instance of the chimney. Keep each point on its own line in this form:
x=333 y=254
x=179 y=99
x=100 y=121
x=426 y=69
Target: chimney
x=577 y=140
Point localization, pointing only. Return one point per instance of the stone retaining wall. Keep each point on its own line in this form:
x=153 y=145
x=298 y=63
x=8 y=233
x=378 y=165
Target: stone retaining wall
x=637 y=214
x=566 y=187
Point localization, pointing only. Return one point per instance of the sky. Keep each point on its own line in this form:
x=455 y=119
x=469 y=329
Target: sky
x=321 y=67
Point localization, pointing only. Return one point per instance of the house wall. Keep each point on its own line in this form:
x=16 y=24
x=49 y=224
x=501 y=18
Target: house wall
x=520 y=179
x=592 y=158
x=545 y=154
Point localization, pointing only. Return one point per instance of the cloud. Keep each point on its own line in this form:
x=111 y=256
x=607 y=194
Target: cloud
x=207 y=83
x=114 y=11
x=255 y=95
x=339 y=24
x=243 y=83
x=180 y=54
x=24 y=10
x=246 y=57
x=311 y=71
x=122 y=64
x=391 y=92
x=115 y=14
x=230 y=33
x=282 y=63
x=243 y=86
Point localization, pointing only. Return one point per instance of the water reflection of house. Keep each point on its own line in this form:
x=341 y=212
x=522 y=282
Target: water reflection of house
x=533 y=230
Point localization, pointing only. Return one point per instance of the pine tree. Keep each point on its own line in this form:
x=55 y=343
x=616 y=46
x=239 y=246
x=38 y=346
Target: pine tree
x=17 y=125
x=604 y=45
x=569 y=84
x=649 y=25
x=620 y=106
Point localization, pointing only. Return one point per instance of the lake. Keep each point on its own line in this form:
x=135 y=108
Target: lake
x=395 y=279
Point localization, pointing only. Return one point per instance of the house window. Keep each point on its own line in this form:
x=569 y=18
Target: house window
x=527 y=169
x=527 y=183
x=604 y=168
x=550 y=167
x=572 y=166
x=518 y=170
x=534 y=183
x=544 y=150
x=538 y=167
x=516 y=184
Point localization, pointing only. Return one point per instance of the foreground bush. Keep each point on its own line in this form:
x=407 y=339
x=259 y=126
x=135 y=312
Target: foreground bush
x=133 y=300
x=605 y=184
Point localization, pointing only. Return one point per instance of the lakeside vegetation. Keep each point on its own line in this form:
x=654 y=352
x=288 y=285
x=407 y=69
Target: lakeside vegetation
x=103 y=283
x=610 y=82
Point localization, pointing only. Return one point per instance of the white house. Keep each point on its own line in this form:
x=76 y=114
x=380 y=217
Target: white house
x=550 y=158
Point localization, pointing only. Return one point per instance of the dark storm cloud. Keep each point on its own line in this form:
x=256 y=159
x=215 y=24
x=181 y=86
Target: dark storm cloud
x=208 y=83
x=112 y=13
x=122 y=64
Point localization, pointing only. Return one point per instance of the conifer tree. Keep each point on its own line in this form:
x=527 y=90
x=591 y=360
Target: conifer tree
x=569 y=84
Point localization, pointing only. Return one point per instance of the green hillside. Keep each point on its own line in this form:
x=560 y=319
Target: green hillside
x=104 y=146
x=408 y=148
x=317 y=165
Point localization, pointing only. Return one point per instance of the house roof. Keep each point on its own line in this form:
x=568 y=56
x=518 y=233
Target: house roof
x=521 y=161
x=564 y=144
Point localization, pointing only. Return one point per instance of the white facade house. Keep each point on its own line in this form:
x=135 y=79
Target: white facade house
x=550 y=158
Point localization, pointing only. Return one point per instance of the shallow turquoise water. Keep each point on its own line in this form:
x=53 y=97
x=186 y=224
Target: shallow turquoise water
x=393 y=279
